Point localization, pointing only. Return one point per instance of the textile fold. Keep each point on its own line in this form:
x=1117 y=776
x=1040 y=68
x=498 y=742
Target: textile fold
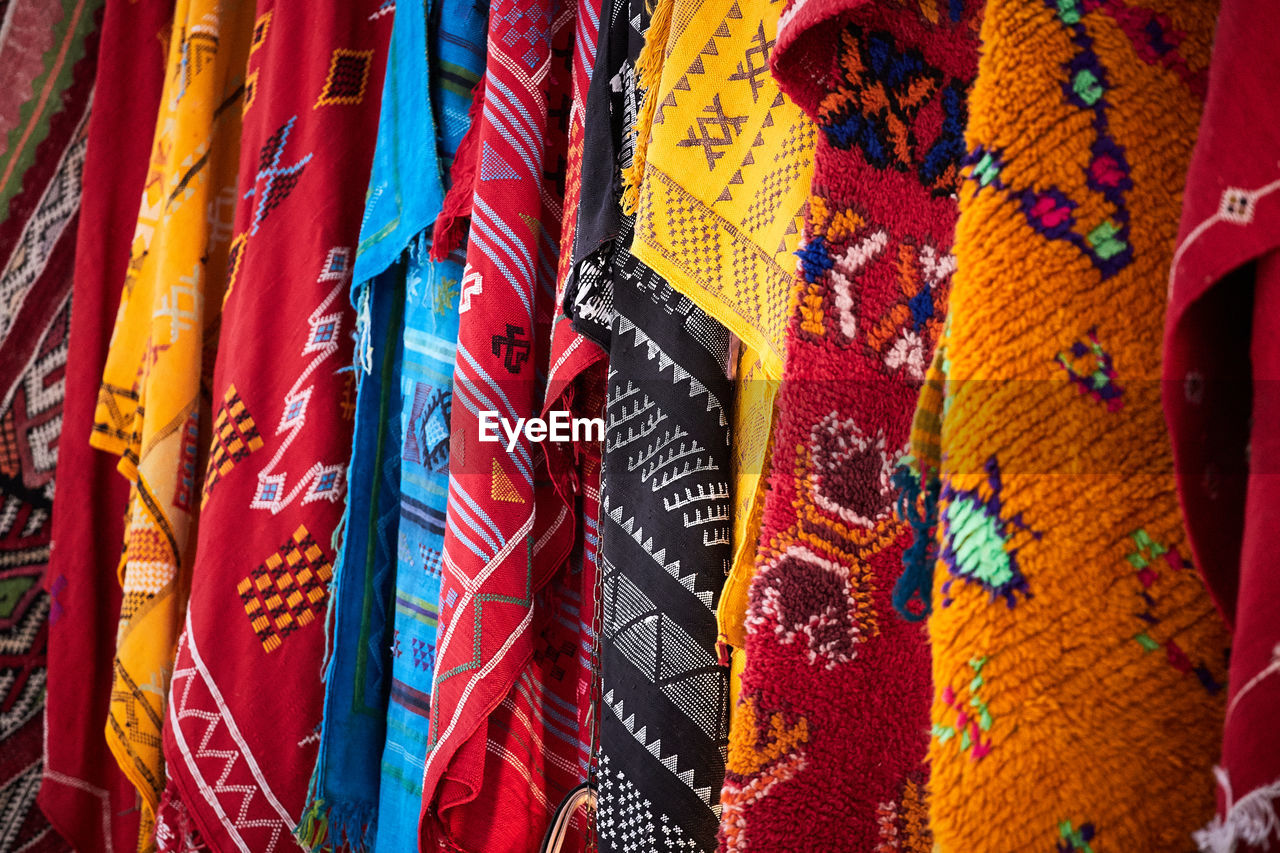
x=153 y=408
x=1220 y=372
x=242 y=725
x=84 y=794
x=1069 y=629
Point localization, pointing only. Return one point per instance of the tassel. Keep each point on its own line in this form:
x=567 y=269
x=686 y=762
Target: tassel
x=363 y=343
x=313 y=828
x=1252 y=820
x=917 y=560
x=649 y=77
x=450 y=230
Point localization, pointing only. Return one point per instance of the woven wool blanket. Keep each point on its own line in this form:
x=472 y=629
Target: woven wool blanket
x=887 y=90
x=48 y=52
x=575 y=384
x=367 y=787
x=241 y=728
x=455 y=39
x=84 y=794
x=664 y=529
x=722 y=166
x=498 y=684
x=665 y=547
x=1222 y=327
x=153 y=409
x=718 y=185
x=1078 y=663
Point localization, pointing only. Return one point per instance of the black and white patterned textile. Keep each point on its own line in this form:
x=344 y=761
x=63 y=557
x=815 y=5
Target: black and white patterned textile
x=665 y=526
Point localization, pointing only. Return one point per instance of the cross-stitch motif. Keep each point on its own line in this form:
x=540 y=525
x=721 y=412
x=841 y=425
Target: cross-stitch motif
x=287 y=590
x=513 y=348
x=235 y=436
x=274 y=182
x=321 y=481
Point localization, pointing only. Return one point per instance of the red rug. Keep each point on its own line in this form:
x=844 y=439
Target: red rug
x=886 y=85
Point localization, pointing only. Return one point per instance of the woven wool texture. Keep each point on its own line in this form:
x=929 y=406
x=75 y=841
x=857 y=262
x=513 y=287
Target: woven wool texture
x=723 y=163
x=48 y=52
x=1222 y=330
x=1078 y=664
x=887 y=91
x=152 y=409
x=499 y=677
x=85 y=795
x=242 y=729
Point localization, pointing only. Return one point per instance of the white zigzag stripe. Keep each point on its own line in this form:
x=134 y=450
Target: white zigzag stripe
x=179 y=714
x=293 y=416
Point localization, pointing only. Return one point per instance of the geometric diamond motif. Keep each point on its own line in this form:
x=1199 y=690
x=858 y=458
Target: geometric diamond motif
x=287 y=590
x=1236 y=205
x=348 y=77
x=235 y=436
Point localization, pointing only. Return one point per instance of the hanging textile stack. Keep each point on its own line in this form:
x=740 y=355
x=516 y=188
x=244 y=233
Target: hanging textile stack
x=658 y=426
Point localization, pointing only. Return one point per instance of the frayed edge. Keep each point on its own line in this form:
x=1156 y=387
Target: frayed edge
x=1252 y=821
x=450 y=229
x=175 y=831
x=918 y=560
x=648 y=78
x=363 y=350
x=341 y=825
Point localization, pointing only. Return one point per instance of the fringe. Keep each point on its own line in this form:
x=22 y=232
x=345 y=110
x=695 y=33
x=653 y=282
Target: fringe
x=648 y=78
x=450 y=230
x=363 y=344
x=175 y=831
x=1252 y=821
x=918 y=506
x=346 y=826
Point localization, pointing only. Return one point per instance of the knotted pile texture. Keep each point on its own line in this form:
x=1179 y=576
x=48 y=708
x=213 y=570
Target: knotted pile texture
x=1078 y=663
x=887 y=89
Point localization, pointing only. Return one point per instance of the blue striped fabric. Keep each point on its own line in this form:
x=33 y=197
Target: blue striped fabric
x=367 y=788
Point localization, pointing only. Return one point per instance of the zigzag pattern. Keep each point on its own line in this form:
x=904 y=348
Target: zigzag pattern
x=30 y=254
x=234 y=789
x=654 y=746
x=321 y=481
x=629 y=526
x=665 y=362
